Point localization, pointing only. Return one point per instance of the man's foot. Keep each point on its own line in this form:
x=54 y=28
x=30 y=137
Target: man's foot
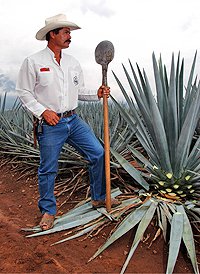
x=47 y=221
x=102 y=203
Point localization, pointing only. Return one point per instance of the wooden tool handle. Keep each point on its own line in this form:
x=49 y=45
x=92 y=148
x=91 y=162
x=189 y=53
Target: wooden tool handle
x=106 y=142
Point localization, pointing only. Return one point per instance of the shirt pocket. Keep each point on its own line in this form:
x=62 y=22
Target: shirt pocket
x=45 y=77
x=75 y=78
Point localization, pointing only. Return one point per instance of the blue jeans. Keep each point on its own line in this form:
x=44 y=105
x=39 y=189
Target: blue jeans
x=78 y=134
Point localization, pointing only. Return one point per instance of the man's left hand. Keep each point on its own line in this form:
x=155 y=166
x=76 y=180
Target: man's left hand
x=103 y=90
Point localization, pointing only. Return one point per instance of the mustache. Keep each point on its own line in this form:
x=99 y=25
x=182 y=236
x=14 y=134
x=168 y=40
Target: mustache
x=68 y=40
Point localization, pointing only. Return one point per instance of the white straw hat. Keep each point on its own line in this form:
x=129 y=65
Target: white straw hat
x=54 y=22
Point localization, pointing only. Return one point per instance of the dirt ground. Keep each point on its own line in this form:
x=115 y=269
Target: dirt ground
x=18 y=254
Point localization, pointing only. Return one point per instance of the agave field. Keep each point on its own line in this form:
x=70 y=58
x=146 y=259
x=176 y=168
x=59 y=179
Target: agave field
x=155 y=161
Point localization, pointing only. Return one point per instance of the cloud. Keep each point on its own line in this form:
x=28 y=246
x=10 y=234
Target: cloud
x=99 y=7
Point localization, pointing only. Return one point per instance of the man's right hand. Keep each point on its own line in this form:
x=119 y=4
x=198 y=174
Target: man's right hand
x=50 y=117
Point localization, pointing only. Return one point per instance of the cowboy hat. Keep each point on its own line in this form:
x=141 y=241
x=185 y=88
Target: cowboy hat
x=54 y=22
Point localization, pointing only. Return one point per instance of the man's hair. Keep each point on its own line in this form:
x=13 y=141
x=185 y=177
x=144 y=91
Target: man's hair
x=56 y=31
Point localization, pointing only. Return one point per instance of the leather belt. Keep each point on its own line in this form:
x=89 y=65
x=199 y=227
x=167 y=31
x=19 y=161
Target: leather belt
x=66 y=113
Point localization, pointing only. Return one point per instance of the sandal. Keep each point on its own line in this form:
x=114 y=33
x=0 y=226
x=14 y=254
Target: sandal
x=102 y=203
x=47 y=221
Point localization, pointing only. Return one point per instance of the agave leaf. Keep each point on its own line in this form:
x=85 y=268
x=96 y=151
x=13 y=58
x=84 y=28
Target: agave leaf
x=195 y=217
x=5 y=123
x=141 y=91
x=140 y=131
x=145 y=221
x=197 y=210
x=128 y=100
x=175 y=240
x=143 y=108
x=128 y=223
x=188 y=239
x=130 y=169
x=166 y=211
x=159 y=87
x=126 y=115
x=194 y=155
x=189 y=85
x=3 y=106
x=180 y=98
x=76 y=235
x=196 y=170
x=165 y=88
x=158 y=135
x=147 y=163
x=133 y=202
x=140 y=156
x=120 y=142
x=142 y=82
x=172 y=124
x=70 y=223
x=6 y=136
x=163 y=221
x=20 y=137
x=186 y=135
x=172 y=207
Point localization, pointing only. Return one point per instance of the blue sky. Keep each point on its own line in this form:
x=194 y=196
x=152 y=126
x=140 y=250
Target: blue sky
x=135 y=27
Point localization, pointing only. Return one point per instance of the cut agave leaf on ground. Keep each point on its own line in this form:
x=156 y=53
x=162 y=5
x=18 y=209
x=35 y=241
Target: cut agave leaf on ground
x=70 y=223
x=104 y=212
x=76 y=235
x=117 y=212
x=75 y=217
x=77 y=210
x=127 y=224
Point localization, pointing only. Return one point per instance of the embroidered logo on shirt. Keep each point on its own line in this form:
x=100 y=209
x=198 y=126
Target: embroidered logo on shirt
x=75 y=80
x=45 y=69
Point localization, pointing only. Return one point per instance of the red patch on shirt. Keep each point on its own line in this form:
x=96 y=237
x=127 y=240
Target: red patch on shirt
x=45 y=69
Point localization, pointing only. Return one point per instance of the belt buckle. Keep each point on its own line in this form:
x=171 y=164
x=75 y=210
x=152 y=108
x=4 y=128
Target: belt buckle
x=61 y=115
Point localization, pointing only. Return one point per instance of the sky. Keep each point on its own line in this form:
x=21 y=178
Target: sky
x=137 y=28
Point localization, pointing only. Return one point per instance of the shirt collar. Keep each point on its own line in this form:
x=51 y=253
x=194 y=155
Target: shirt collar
x=52 y=53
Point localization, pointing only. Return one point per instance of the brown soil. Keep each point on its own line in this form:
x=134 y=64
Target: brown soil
x=18 y=254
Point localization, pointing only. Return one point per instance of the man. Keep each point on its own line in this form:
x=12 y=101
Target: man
x=50 y=82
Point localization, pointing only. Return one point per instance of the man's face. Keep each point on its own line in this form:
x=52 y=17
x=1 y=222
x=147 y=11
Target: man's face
x=62 y=39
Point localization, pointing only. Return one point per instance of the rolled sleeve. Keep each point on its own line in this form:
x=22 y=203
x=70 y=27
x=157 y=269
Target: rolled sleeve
x=87 y=95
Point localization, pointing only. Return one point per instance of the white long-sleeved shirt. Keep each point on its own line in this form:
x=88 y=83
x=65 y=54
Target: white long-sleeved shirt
x=44 y=84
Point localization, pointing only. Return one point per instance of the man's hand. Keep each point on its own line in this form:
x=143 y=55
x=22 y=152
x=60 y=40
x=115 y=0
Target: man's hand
x=103 y=90
x=50 y=117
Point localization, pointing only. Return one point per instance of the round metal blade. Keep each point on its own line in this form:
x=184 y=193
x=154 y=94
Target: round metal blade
x=104 y=53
